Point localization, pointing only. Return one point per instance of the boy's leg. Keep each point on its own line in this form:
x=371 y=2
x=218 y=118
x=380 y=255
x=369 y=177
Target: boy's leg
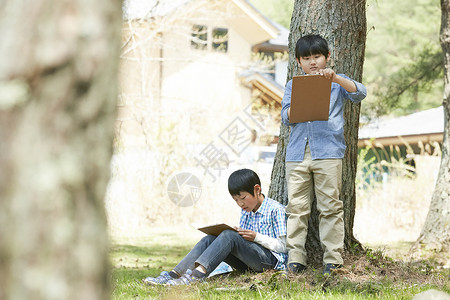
x=229 y=245
x=299 y=208
x=327 y=184
x=188 y=261
x=237 y=264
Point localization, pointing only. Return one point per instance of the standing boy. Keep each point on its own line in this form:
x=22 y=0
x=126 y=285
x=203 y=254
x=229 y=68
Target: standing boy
x=314 y=154
x=258 y=245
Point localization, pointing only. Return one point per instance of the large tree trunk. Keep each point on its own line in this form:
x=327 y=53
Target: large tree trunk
x=343 y=25
x=435 y=234
x=58 y=73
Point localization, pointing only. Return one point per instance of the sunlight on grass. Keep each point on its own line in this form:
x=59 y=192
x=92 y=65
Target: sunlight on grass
x=370 y=276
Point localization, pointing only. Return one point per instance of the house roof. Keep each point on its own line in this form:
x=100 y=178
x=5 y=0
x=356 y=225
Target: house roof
x=258 y=17
x=272 y=90
x=283 y=37
x=279 y=43
x=425 y=126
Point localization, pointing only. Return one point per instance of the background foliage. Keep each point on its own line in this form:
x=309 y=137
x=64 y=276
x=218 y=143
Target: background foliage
x=279 y=11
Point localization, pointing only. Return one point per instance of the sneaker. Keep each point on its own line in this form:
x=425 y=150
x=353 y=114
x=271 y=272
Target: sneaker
x=186 y=279
x=329 y=268
x=296 y=267
x=163 y=278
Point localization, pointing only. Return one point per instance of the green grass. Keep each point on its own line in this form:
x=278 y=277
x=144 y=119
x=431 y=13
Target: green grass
x=367 y=276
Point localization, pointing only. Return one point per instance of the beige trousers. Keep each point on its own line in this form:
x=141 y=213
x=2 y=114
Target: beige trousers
x=327 y=175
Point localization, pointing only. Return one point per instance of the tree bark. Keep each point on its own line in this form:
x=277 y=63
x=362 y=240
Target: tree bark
x=57 y=108
x=435 y=234
x=343 y=25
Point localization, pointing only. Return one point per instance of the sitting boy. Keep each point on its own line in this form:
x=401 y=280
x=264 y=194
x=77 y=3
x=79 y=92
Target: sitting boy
x=258 y=245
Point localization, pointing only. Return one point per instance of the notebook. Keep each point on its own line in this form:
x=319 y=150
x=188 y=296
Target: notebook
x=216 y=229
x=310 y=98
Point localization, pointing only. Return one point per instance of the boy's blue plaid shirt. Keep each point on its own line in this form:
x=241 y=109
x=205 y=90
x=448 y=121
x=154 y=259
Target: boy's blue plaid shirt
x=270 y=219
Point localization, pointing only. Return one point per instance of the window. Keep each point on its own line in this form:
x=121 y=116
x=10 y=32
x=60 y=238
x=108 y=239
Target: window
x=199 y=38
x=220 y=39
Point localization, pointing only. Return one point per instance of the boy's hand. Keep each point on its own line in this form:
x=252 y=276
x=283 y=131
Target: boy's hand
x=247 y=234
x=327 y=73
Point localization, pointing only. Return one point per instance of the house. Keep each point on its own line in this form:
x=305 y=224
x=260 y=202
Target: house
x=195 y=65
x=418 y=131
x=200 y=87
x=410 y=143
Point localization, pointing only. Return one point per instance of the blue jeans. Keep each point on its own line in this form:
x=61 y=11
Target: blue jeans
x=230 y=247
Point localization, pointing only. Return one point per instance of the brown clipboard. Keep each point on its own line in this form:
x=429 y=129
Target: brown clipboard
x=310 y=98
x=216 y=229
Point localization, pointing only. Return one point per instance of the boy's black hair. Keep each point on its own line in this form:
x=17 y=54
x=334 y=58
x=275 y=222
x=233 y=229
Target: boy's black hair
x=243 y=180
x=311 y=44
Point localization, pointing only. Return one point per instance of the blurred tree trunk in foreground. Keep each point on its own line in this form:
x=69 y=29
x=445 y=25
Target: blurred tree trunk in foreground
x=435 y=234
x=57 y=106
x=343 y=25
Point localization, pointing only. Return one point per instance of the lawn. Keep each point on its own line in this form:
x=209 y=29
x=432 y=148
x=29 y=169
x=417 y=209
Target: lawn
x=369 y=275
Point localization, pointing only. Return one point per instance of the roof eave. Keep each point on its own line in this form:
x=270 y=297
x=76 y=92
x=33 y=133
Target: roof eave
x=259 y=18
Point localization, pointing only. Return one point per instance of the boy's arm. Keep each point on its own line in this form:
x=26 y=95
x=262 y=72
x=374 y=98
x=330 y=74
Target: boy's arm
x=286 y=104
x=347 y=84
x=276 y=245
x=359 y=94
x=356 y=91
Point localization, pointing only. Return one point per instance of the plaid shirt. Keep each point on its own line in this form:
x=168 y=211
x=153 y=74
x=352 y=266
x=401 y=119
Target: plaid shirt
x=269 y=219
